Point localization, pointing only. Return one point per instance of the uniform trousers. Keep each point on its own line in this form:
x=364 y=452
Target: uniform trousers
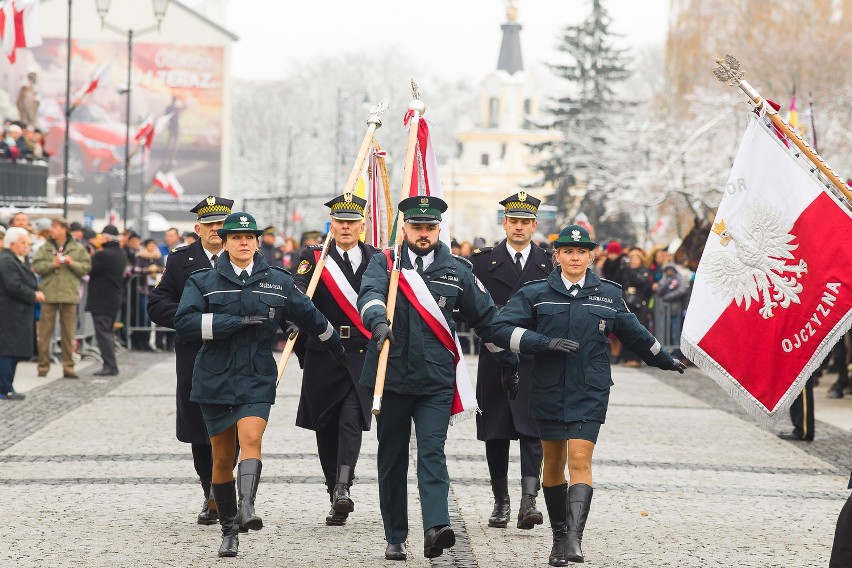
x=841 y=551
x=802 y=412
x=431 y=415
x=497 y=454
x=67 y=325
x=339 y=438
x=104 y=335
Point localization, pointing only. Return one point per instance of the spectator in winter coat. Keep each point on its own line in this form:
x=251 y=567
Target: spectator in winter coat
x=637 y=293
x=148 y=268
x=106 y=287
x=668 y=304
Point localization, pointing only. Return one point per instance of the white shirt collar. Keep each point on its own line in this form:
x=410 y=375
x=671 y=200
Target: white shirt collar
x=568 y=283
x=210 y=255
x=427 y=260
x=248 y=268
x=525 y=253
x=354 y=256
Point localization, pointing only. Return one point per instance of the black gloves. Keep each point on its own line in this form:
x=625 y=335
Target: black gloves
x=292 y=330
x=511 y=381
x=677 y=366
x=382 y=331
x=339 y=354
x=252 y=320
x=562 y=345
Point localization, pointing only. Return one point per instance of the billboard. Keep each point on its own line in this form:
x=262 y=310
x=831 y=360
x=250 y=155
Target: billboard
x=184 y=82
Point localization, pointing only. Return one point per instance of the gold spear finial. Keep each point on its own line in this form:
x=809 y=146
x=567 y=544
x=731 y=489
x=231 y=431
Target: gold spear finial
x=729 y=70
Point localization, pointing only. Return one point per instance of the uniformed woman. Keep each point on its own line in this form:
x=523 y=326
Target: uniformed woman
x=236 y=308
x=565 y=322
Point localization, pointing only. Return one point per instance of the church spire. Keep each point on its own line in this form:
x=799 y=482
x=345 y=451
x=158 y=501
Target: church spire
x=510 y=50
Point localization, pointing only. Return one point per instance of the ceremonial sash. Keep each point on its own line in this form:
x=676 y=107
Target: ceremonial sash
x=414 y=289
x=342 y=291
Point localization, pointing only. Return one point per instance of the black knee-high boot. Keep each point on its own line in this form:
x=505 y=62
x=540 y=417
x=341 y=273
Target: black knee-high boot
x=556 y=499
x=226 y=500
x=249 y=477
x=579 y=503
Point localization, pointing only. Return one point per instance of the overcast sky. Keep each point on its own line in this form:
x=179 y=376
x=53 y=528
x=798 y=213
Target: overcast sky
x=454 y=38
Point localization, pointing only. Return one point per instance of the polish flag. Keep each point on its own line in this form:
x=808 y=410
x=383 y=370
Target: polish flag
x=425 y=179
x=773 y=290
x=148 y=129
x=21 y=26
x=169 y=183
x=93 y=83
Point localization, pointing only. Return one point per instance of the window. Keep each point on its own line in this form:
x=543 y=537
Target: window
x=527 y=112
x=503 y=151
x=493 y=112
x=484 y=159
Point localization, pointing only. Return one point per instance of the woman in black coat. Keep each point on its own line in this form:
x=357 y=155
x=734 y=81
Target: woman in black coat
x=18 y=296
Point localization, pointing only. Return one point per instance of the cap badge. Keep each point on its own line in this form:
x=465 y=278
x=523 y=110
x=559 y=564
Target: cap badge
x=244 y=222
x=211 y=200
x=347 y=197
x=424 y=201
x=522 y=195
x=575 y=234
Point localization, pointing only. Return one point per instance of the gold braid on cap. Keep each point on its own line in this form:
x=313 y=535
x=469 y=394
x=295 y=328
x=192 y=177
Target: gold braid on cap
x=214 y=209
x=521 y=205
x=349 y=206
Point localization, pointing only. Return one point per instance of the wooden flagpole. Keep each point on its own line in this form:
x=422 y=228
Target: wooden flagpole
x=373 y=122
x=417 y=109
x=729 y=72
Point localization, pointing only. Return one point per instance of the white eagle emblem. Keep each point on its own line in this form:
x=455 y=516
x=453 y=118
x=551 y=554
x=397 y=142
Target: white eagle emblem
x=244 y=221
x=575 y=234
x=756 y=269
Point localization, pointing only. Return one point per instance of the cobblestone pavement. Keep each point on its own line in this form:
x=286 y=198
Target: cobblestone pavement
x=91 y=475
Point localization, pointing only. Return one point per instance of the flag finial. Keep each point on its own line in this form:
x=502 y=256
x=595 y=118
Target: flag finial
x=729 y=70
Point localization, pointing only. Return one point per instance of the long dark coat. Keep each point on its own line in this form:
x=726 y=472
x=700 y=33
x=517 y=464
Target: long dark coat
x=106 y=280
x=324 y=382
x=17 y=304
x=501 y=418
x=162 y=305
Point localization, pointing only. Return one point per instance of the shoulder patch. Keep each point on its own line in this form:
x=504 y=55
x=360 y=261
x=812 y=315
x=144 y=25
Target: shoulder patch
x=304 y=267
x=482 y=250
x=464 y=261
x=280 y=269
x=179 y=247
x=534 y=281
x=611 y=282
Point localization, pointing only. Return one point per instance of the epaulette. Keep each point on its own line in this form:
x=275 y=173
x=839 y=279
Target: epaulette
x=284 y=270
x=548 y=252
x=180 y=246
x=611 y=282
x=465 y=261
x=200 y=270
x=534 y=281
x=481 y=250
x=314 y=247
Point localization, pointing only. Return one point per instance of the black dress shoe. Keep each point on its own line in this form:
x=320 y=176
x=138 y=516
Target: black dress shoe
x=794 y=436
x=834 y=393
x=396 y=552
x=436 y=540
x=105 y=373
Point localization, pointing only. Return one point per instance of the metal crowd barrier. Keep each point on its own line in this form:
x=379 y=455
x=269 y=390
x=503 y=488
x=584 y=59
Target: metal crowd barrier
x=84 y=333
x=138 y=331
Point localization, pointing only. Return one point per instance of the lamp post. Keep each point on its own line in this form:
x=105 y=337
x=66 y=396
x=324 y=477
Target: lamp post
x=102 y=7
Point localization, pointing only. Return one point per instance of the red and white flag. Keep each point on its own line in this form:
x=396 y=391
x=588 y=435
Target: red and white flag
x=20 y=26
x=773 y=290
x=94 y=83
x=424 y=178
x=149 y=129
x=379 y=203
x=169 y=183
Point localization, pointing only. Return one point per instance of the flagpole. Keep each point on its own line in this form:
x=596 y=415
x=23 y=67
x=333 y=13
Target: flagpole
x=373 y=122
x=417 y=109
x=729 y=72
x=68 y=111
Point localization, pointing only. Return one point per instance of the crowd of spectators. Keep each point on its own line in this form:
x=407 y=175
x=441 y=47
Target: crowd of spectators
x=20 y=141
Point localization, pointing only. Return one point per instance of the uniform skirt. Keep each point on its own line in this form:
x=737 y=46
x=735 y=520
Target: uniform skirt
x=578 y=430
x=220 y=417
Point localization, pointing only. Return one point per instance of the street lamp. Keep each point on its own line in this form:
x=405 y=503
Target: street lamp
x=102 y=6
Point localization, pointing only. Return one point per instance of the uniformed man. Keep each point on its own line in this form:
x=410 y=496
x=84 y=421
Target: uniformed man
x=272 y=255
x=421 y=377
x=162 y=305
x=333 y=404
x=503 y=270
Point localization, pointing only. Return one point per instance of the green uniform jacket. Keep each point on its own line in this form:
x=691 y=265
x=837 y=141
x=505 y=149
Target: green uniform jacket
x=418 y=364
x=573 y=386
x=60 y=285
x=235 y=365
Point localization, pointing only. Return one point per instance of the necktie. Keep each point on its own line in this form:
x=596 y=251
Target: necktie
x=518 y=265
x=213 y=260
x=574 y=289
x=419 y=262
x=347 y=264
x=244 y=275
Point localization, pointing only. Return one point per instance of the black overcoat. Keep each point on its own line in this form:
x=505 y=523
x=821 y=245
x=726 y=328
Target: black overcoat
x=17 y=304
x=501 y=418
x=162 y=305
x=106 y=280
x=324 y=382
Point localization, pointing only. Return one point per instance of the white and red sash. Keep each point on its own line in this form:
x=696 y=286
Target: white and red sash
x=418 y=295
x=342 y=291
